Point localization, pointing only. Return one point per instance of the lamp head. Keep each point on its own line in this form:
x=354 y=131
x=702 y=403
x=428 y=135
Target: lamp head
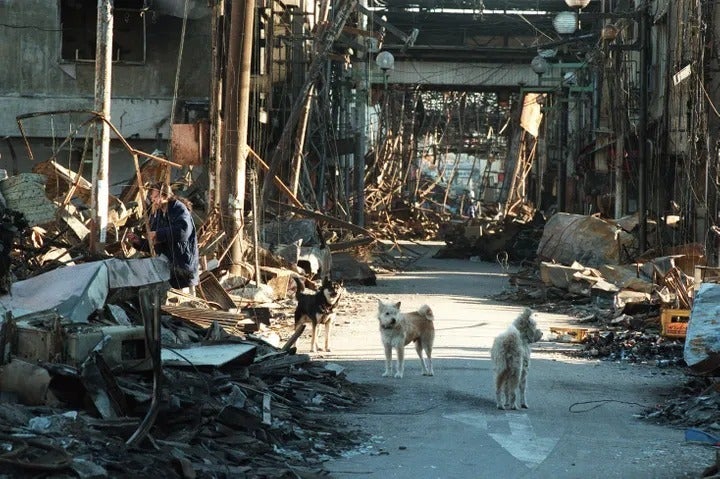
x=565 y=23
x=385 y=60
x=539 y=65
x=578 y=4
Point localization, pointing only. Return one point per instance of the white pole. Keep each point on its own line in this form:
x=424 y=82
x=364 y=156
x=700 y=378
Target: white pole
x=101 y=144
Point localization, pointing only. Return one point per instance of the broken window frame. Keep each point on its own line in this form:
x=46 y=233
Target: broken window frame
x=120 y=37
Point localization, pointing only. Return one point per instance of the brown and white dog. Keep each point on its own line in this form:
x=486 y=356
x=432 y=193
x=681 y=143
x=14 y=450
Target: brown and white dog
x=318 y=308
x=510 y=355
x=397 y=329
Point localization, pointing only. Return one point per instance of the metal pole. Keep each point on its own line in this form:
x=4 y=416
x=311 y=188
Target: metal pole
x=238 y=204
x=562 y=159
x=230 y=110
x=216 y=82
x=360 y=150
x=642 y=133
x=101 y=142
x=361 y=107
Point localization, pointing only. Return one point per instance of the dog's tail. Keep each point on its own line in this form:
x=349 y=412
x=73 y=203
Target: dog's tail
x=523 y=317
x=300 y=287
x=427 y=312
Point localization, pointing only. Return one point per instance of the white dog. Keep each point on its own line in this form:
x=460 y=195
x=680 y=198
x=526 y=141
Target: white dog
x=510 y=355
x=398 y=329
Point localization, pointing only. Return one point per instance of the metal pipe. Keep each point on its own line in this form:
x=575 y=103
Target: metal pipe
x=562 y=150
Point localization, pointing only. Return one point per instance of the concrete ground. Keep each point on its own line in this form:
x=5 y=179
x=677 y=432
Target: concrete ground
x=583 y=417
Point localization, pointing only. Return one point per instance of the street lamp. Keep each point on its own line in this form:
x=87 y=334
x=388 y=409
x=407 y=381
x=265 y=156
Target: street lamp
x=386 y=61
x=565 y=23
x=578 y=4
x=540 y=66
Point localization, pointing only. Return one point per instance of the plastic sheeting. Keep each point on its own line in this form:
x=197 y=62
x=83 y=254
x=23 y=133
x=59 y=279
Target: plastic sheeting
x=75 y=292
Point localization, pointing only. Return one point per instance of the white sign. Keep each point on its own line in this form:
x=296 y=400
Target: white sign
x=682 y=74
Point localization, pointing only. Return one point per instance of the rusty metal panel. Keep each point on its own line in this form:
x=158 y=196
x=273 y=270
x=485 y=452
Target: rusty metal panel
x=210 y=289
x=189 y=143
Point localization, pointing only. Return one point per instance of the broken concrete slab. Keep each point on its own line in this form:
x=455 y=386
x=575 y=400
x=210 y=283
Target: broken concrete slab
x=558 y=275
x=26 y=193
x=627 y=277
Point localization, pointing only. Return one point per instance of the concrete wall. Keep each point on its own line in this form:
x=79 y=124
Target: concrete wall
x=34 y=78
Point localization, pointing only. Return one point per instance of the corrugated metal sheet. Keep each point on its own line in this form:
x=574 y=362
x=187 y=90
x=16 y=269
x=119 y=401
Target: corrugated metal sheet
x=442 y=73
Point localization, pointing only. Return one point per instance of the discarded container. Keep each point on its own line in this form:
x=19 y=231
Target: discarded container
x=570 y=335
x=674 y=322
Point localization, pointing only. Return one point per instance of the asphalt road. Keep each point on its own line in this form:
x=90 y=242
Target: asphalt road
x=583 y=416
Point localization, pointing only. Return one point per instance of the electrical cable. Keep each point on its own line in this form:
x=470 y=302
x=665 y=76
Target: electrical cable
x=179 y=64
x=601 y=402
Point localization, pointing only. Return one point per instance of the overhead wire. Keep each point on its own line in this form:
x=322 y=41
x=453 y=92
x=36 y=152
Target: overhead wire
x=179 y=65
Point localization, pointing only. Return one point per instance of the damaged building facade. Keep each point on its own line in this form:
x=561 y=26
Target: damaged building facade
x=610 y=112
x=52 y=45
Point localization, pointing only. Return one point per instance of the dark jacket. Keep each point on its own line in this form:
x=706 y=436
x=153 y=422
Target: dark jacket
x=177 y=240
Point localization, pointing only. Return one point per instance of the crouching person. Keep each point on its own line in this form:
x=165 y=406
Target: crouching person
x=172 y=233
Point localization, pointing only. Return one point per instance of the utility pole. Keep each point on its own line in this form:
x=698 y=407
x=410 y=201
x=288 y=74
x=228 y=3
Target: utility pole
x=101 y=142
x=243 y=109
x=230 y=108
x=218 y=127
x=237 y=101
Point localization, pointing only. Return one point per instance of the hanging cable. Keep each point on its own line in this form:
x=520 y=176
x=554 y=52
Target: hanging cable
x=179 y=63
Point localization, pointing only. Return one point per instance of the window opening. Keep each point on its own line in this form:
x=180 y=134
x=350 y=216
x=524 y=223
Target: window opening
x=78 y=20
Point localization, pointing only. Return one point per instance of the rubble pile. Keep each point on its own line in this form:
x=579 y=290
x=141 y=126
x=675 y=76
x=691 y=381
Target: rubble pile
x=494 y=235
x=633 y=346
x=697 y=405
x=606 y=334
x=105 y=373
x=619 y=308
x=267 y=419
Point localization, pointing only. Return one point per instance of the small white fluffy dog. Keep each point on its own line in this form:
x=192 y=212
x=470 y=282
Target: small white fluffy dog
x=398 y=329
x=510 y=355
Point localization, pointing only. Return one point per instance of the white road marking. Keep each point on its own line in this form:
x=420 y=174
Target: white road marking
x=521 y=442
